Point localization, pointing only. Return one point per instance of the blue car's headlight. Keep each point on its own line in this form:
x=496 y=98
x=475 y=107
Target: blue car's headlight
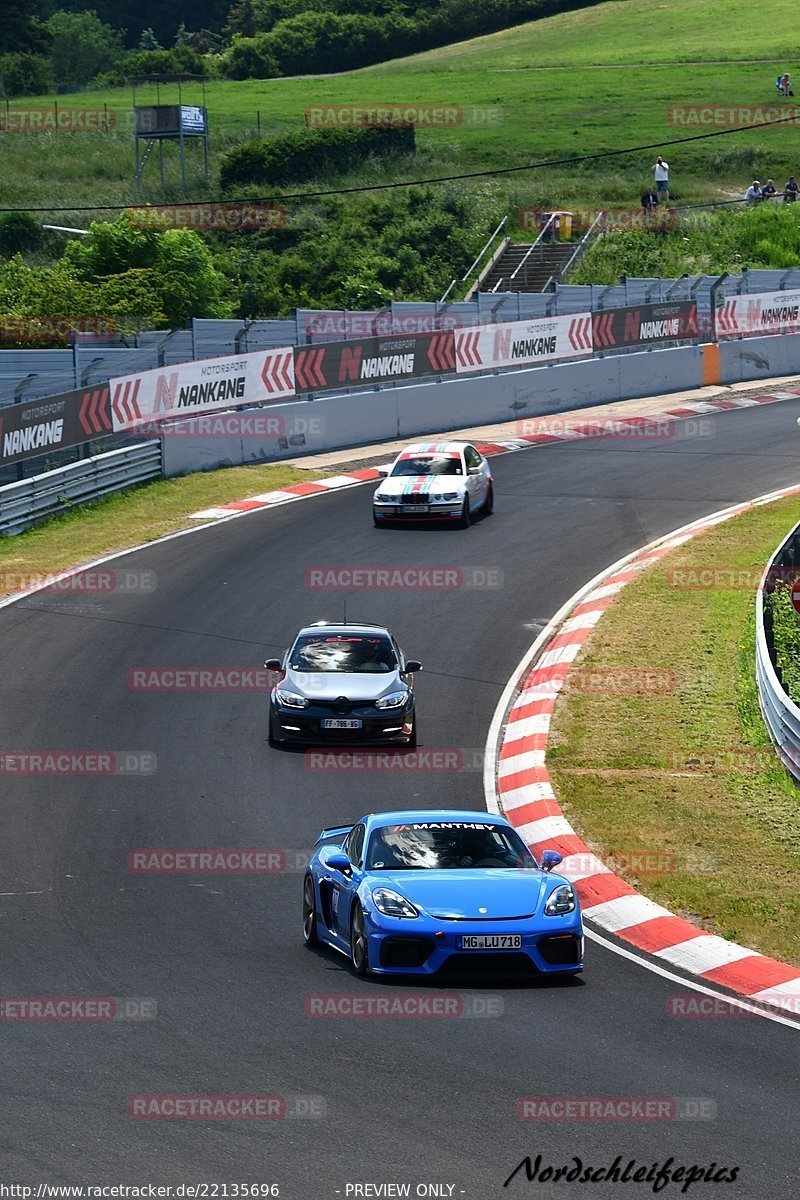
x=560 y=902
x=392 y=904
x=291 y=699
x=393 y=700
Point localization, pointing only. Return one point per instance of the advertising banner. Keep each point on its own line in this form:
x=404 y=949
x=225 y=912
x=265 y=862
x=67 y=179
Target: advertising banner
x=760 y=312
x=207 y=385
x=515 y=343
x=53 y=423
x=644 y=324
x=372 y=360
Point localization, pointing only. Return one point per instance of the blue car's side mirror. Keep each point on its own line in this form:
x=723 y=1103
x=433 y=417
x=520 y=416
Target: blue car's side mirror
x=334 y=859
x=550 y=859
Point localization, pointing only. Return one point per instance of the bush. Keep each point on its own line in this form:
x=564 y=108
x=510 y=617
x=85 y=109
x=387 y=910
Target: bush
x=309 y=153
x=20 y=233
x=250 y=58
x=26 y=74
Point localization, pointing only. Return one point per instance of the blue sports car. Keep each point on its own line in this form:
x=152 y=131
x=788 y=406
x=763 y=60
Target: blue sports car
x=416 y=893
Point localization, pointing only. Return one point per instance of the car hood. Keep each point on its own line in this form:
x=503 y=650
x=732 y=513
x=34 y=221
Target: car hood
x=405 y=485
x=330 y=685
x=462 y=894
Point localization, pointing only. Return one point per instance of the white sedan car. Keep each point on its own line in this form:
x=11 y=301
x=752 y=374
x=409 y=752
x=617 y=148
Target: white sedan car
x=435 y=481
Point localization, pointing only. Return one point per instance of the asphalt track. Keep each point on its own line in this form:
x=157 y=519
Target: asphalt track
x=407 y=1100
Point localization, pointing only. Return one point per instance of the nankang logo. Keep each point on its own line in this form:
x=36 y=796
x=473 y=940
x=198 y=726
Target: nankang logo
x=35 y=437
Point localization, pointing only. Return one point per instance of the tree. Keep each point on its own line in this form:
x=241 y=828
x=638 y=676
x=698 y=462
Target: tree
x=21 y=31
x=149 y=41
x=20 y=233
x=182 y=35
x=82 y=47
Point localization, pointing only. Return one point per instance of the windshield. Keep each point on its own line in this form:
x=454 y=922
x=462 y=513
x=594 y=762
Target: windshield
x=447 y=844
x=428 y=464
x=370 y=655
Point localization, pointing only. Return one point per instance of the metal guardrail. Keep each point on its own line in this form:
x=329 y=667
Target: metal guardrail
x=780 y=713
x=29 y=501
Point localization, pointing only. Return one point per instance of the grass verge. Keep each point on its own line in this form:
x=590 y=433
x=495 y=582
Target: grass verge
x=588 y=80
x=677 y=787
x=132 y=517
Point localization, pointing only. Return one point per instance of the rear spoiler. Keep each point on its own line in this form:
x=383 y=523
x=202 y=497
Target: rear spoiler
x=334 y=831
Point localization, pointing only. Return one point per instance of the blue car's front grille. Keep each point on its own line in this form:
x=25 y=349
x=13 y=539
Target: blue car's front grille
x=493 y=963
x=405 y=952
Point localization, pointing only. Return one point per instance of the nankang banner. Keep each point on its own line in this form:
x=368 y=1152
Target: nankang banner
x=515 y=343
x=645 y=325
x=206 y=385
x=760 y=312
x=40 y=427
x=372 y=360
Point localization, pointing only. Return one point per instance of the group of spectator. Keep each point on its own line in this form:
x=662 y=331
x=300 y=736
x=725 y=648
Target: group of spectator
x=755 y=194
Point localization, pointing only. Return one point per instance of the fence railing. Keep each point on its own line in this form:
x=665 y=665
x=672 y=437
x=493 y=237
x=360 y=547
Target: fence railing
x=781 y=714
x=488 y=246
x=595 y=231
x=29 y=501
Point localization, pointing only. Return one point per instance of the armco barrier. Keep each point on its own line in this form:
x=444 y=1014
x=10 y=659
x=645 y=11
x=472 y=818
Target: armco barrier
x=781 y=714
x=25 y=503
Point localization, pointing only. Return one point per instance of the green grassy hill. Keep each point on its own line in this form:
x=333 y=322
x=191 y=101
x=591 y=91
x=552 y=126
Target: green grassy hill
x=595 y=79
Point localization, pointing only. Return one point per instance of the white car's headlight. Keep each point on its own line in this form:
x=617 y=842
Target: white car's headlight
x=561 y=901
x=393 y=700
x=291 y=699
x=382 y=498
x=392 y=904
x=450 y=496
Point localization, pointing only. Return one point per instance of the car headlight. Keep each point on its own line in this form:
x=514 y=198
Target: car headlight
x=291 y=699
x=450 y=496
x=393 y=700
x=561 y=901
x=392 y=904
x=380 y=498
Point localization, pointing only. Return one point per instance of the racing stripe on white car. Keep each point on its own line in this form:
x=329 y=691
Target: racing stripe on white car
x=524 y=793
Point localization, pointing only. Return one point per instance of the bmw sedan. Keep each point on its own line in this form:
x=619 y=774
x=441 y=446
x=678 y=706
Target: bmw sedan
x=439 y=481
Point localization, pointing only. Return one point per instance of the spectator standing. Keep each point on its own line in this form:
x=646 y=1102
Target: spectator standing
x=649 y=204
x=769 y=190
x=754 y=194
x=791 y=190
x=661 y=177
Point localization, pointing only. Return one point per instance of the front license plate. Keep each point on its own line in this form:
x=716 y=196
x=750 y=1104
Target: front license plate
x=341 y=723
x=415 y=508
x=491 y=941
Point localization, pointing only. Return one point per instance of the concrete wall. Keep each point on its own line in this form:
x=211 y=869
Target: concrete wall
x=759 y=357
x=336 y=422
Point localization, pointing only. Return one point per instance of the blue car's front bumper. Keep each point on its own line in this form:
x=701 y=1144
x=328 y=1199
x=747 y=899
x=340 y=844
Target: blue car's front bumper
x=425 y=945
